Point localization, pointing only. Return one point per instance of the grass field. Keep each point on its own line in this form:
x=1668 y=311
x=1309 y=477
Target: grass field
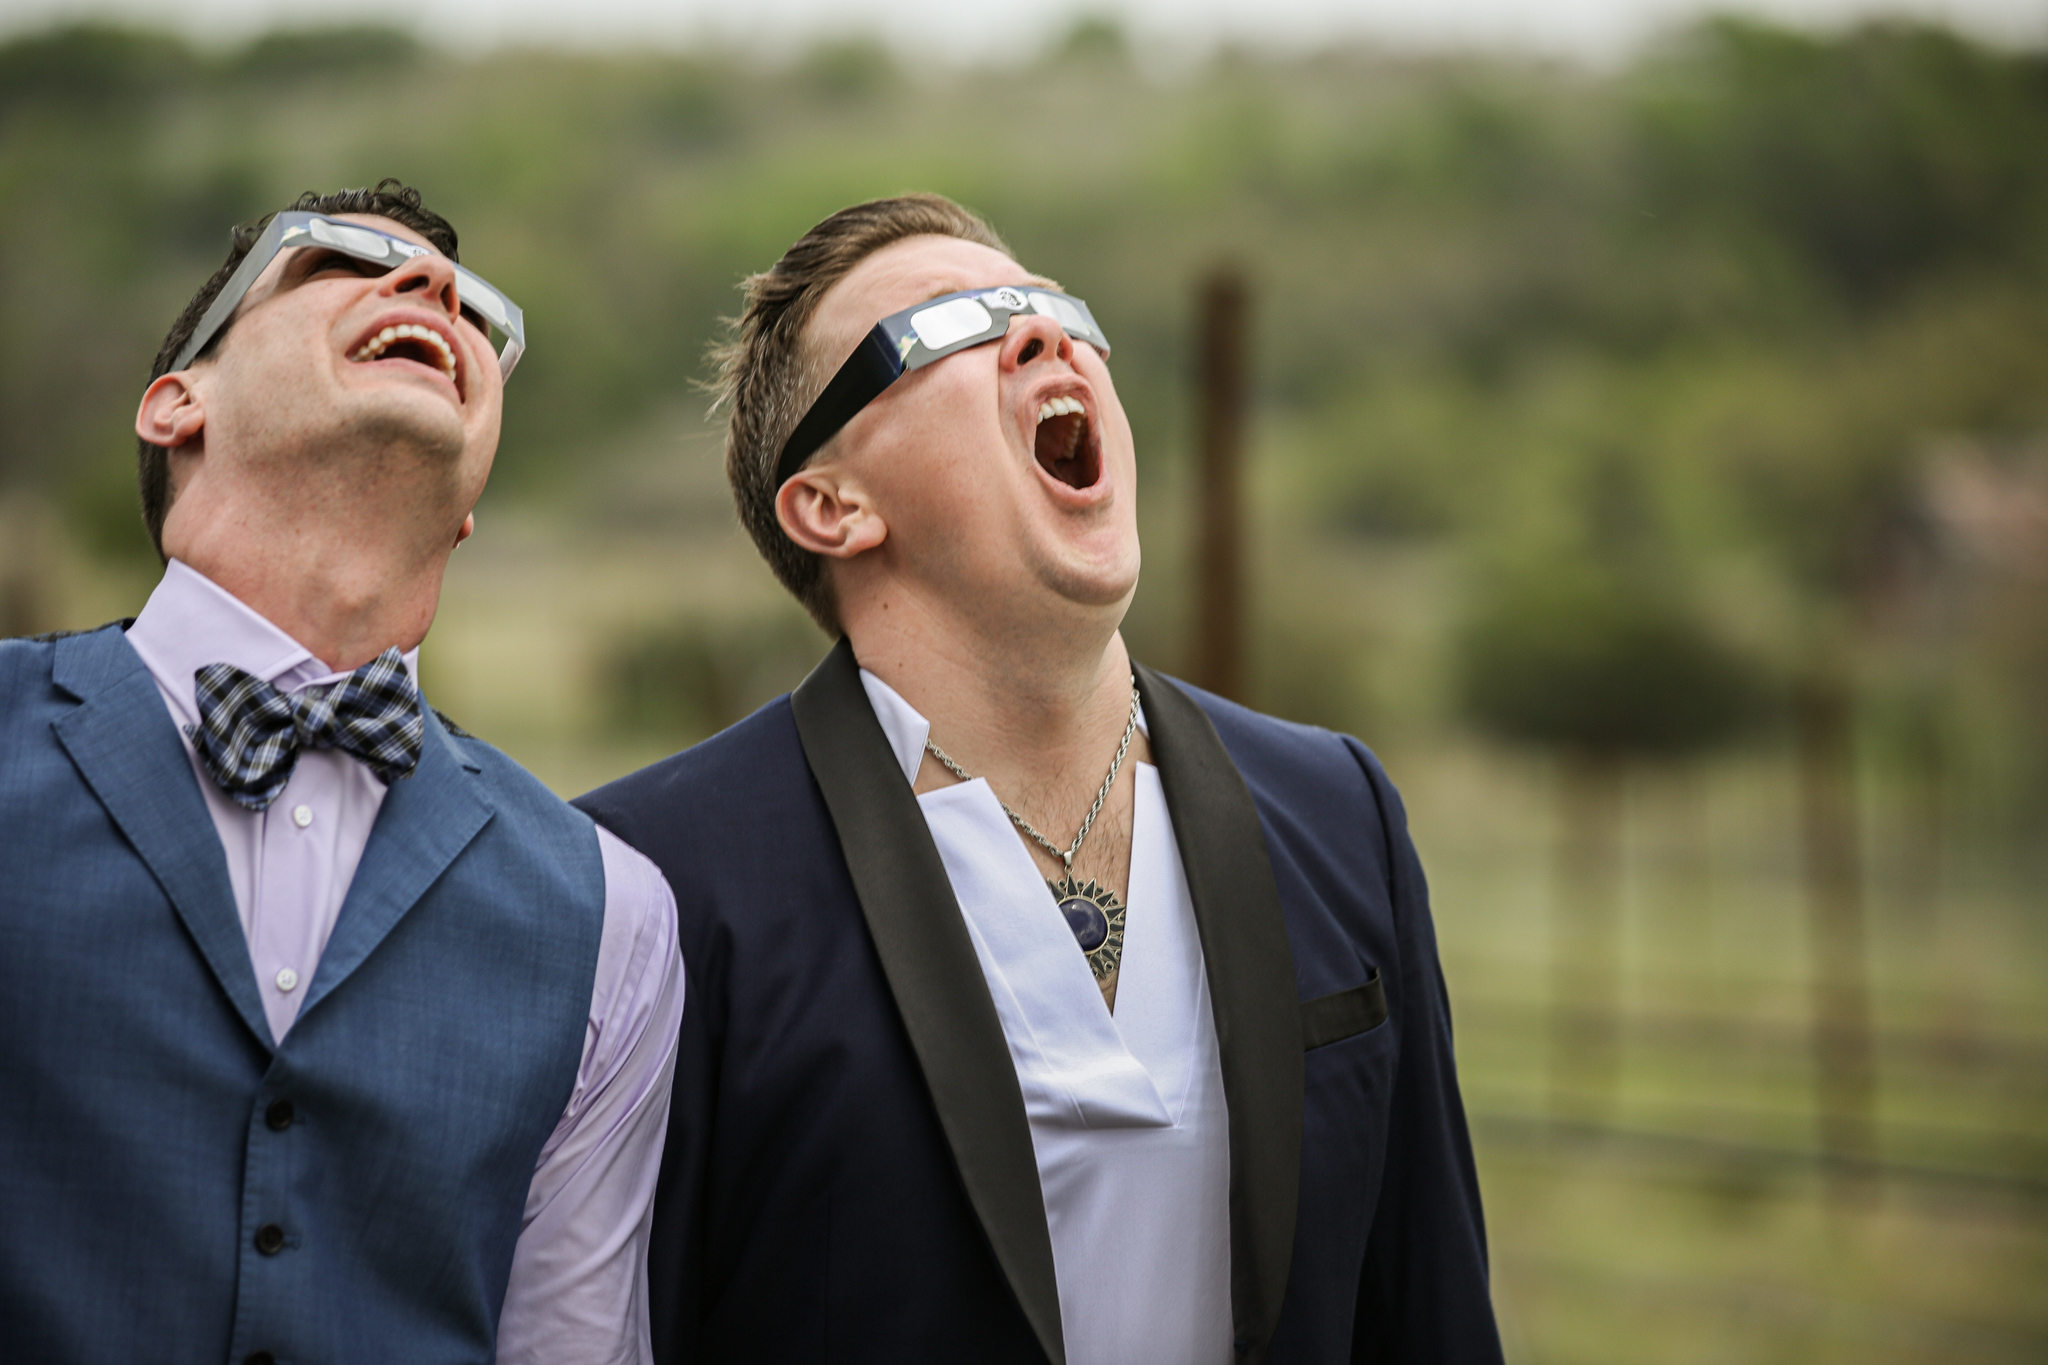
x=1685 y=1214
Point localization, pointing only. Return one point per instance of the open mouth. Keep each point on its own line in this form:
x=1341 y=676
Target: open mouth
x=408 y=341
x=1066 y=446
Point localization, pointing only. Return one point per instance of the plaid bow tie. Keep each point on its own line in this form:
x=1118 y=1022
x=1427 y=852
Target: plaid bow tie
x=249 y=733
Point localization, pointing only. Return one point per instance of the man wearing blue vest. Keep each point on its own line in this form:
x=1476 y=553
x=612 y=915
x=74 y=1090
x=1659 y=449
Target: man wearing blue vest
x=327 y=1034
x=1043 y=1009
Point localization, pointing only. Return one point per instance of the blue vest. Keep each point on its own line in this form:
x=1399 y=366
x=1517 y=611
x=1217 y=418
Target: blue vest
x=174 y=1186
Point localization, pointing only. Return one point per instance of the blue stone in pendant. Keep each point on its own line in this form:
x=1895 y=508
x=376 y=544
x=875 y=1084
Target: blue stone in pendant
x=1086 y=919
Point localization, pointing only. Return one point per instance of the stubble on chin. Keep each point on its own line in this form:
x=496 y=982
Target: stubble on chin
x=363 y=455
x=391 y=433
x=303 y=421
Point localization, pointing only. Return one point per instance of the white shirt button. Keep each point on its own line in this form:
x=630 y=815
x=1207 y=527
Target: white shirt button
x=302 y=816
x=286 y=977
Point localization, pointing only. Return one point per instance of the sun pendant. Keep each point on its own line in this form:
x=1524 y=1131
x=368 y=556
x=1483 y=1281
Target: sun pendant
x=1096 y=916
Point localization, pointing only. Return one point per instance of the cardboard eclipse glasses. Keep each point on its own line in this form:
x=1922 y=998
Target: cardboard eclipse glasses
x=482 y=303
x=913 y=339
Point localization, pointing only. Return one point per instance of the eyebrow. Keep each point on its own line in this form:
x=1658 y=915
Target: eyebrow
x=295 y=259
x=295 y=262
x=1035 y=281
x=290 y=273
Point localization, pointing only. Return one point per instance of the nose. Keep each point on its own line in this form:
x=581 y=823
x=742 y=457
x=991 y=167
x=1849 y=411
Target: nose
x=1033 y=337
x=430 y=278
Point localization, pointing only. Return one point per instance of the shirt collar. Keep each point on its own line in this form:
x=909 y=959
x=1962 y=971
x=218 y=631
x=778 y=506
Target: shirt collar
x=190 y=621
x=905 y=729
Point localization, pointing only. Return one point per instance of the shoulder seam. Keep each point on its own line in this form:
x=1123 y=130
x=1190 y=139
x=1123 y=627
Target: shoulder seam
x=1367 y=762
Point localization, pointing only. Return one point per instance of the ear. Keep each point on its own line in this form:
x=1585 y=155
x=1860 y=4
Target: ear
x=171 y=413
x=828 y=513
x=467 y=529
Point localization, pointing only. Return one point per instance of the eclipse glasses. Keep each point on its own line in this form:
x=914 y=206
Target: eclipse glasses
x=913 y=339
x=481 y=303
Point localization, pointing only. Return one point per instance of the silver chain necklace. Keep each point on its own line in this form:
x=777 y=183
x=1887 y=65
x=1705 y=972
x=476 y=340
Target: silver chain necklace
x=1066 y=858
x=1092 y=910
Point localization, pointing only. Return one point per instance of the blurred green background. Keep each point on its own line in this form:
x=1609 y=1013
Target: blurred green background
x=1651 y=463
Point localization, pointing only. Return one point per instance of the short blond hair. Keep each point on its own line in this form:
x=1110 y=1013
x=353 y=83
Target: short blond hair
x=768 y=378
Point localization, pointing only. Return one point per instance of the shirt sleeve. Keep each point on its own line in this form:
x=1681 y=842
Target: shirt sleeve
x=578 y=1291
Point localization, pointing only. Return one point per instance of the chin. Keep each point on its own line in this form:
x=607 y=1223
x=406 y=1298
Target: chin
x=432 y=431
x=1097 y=584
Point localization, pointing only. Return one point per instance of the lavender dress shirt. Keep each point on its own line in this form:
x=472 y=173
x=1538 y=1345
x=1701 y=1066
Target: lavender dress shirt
x=578 y=1291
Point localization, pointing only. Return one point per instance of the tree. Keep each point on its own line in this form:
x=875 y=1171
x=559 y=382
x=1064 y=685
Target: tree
x=1604 y=669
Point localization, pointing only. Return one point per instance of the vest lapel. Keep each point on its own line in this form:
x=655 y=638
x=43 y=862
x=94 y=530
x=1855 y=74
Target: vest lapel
x=126 y=747
x=935 y=976
x=426 y=820
x=1252 y=986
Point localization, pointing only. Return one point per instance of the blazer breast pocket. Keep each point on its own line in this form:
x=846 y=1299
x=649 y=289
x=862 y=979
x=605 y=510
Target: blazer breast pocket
x=1345 y=1014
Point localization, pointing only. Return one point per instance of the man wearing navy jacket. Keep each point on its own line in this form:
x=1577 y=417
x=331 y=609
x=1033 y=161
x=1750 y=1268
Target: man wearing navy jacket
x=1042 y=1008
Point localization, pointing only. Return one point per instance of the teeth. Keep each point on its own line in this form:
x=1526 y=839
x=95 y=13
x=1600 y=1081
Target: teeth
x=1060 y=407
x=406 y=331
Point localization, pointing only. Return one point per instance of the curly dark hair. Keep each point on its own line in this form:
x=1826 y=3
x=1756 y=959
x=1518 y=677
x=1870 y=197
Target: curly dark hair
x=768 y=375
x=390 y=199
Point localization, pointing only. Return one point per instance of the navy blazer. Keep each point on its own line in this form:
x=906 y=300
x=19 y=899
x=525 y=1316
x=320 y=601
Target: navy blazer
x=849 y=1173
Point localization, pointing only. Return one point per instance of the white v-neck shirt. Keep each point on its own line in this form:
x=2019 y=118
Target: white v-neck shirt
x=1127 y=1113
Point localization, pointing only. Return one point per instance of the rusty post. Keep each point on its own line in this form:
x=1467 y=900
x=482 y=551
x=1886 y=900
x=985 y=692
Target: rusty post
x=1219 y=546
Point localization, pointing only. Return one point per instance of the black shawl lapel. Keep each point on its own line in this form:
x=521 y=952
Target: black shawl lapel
x=919 y=934
x=1252 y=989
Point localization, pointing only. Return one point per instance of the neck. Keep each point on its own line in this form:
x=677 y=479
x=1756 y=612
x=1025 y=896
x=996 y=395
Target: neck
x=347 y=587
x=1033 y=708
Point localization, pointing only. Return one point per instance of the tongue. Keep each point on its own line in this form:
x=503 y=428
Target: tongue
x=1065 y=452
x=410 y=350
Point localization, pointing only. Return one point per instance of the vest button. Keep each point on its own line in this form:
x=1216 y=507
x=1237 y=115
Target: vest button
x=279 y=1115
x=270 y=1239
x=259 y=1358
